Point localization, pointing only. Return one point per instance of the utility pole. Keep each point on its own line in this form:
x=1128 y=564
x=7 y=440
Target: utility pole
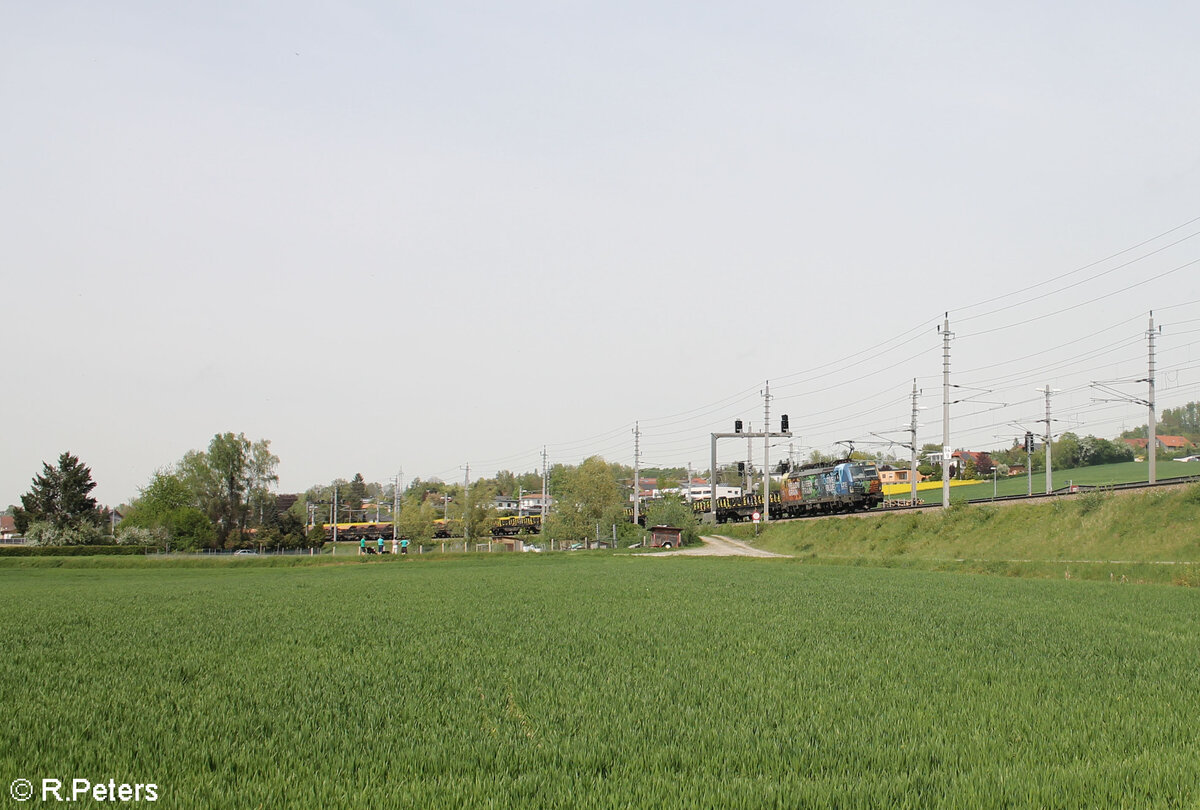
x=637 y=473
x=544 y=474
x=748 y=476
x=946 y=412
x=712 y=480
x=1152 y=422
x=1151 y=417
x=1028 y=465
x=335 y=519
x=689 y=483
x=766 y=512
x=912 y=443
x=466 y=508
x=396 y=502
x=1049 y=438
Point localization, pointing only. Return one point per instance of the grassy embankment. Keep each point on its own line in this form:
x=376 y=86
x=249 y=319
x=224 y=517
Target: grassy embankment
x=1147 y=536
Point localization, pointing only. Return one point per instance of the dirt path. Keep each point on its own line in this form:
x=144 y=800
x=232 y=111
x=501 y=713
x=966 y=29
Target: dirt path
x=717 y=546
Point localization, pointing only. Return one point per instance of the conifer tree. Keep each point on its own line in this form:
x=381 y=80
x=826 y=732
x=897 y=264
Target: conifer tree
x=60 y=496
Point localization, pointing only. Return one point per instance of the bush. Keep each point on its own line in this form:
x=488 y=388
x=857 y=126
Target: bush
x=1091 y=501
x=191 y=529
x=673 y=511
x=140 y=536
x=47 y=534
x=267 y=539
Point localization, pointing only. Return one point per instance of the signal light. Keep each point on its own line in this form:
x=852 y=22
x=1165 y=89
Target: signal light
x=783 y=423
x=737 y=426
x=741 y=468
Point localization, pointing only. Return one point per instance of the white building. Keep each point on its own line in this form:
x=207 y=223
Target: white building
x=507 y=503
x=701 y=491
x=531 y=503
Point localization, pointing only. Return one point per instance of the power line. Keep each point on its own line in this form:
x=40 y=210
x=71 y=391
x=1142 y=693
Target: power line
x=1078 y=270
x=1085 y=303
x=1082 y=281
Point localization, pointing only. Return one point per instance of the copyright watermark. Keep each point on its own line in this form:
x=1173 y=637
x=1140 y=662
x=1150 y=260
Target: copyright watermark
x=73 y=790
x=21 y=790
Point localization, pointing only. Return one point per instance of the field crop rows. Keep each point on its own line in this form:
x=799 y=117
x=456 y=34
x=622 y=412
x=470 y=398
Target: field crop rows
x=601 y=682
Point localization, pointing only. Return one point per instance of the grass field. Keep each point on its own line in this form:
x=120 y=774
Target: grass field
x=1101 y=475
x=599 y=681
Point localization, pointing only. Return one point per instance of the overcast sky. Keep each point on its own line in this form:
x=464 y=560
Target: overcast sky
x=398 y=235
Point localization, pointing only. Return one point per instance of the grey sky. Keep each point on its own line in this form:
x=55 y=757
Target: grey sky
x=422 y=235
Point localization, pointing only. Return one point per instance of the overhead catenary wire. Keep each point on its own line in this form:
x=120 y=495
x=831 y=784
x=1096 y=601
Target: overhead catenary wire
x=1059 y=290
x=1036 y=318
x=671 y=433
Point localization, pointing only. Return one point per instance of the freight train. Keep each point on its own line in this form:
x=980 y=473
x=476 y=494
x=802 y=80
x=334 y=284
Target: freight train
x=367 y=530
x=815 y=489
x=826 y=488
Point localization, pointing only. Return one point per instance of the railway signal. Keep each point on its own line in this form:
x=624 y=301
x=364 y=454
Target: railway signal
x=740 y=434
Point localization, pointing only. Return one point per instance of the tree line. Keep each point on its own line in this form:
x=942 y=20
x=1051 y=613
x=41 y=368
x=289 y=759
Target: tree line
x=223 y=496
x=1182 y=421
x=220 y=497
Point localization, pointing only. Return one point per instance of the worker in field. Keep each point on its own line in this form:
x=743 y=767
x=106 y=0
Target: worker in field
x=395 y=547
x=404 y=546
x=381 y=545
x=362 y=545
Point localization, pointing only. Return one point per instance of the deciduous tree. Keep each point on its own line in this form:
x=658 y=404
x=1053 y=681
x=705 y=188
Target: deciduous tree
x=228 y=479
x=583 y=496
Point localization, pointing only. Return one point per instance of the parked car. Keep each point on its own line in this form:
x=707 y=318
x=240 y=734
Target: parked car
x=248 y=551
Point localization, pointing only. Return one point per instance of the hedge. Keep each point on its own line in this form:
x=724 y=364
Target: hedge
x=70 y=551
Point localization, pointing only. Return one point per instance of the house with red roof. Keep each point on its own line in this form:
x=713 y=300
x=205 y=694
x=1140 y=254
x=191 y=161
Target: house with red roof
x=8 y=528
x=1173 y=444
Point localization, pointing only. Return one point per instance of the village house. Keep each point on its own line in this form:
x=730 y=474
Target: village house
x=1173 y=444
x=8 y=529
x=531 y=503
x=891 y=475
x=1165 y=444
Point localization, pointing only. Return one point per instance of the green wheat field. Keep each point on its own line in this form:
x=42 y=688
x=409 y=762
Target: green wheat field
x=599 y=681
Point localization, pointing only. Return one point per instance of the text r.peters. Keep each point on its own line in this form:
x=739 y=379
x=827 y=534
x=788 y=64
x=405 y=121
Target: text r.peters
x=99 y=791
